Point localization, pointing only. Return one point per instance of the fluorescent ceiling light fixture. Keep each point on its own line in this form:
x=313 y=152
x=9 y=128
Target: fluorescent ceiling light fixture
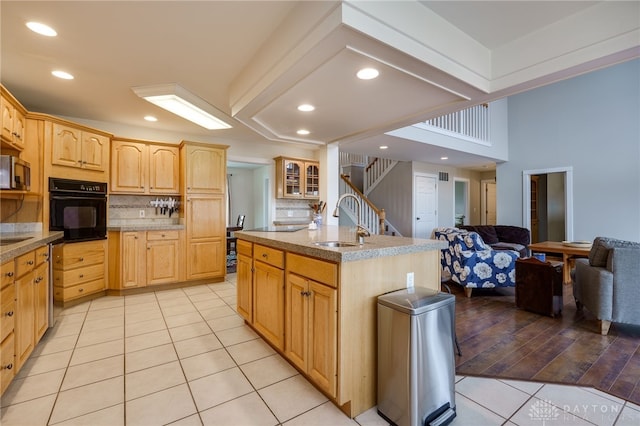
x=306 y=108
x=303 y=132
x=42 y=29
x=150 y=118
x=367 y=73
x=62 y=74
x=384 y=147
x=179 y=101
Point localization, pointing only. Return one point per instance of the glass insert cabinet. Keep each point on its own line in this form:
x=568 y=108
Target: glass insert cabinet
x=297 y=178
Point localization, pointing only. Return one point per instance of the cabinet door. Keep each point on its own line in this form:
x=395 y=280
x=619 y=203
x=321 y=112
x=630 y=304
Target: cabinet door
x=293 y=179
x=128 y=164
x=94 y=149
x=323 y=337
x=312 y=180
x=205 y=217
x=268 y=303
x=205 y=259
x=7 y=362
x=245 y=287
x=19 y=126
x=205 y=170
x=25 y=318
x=133 y=252
x=65 y=150
x=162 y=261
x=7 y=118
x=297 y=316
x=163 y=169
x=41 y=294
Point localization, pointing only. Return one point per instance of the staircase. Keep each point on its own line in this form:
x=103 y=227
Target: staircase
x=373 y=218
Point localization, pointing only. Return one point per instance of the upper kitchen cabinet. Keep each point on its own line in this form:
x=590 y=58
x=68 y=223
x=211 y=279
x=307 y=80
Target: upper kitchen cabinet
x=13 y=121
x=297 y=178
x=144 y=168
x=72 y=147
x=204 y=168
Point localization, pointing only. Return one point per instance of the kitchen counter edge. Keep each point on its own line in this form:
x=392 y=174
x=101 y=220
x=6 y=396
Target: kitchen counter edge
x=35 y=240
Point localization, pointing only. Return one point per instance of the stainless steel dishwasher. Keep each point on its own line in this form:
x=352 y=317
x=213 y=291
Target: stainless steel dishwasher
x=416 y=365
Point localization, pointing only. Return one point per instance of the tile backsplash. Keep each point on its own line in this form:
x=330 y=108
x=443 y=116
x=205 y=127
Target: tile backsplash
x=125 y=209
x=293 y=211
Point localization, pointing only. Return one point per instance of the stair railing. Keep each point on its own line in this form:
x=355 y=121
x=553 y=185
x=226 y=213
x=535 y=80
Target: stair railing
x=372 y=217
x=375 y=171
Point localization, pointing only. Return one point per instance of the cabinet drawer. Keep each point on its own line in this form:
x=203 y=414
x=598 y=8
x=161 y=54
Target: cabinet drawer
x=317 y=270
x=69 y=293
x=7 y=362
x=77 y=276
x=7 y=311
x=42 y=255
x=8 y=273
x=271 y=256
x=244 y=247
x=162 y=235
x=25 y=263
x=77 y=255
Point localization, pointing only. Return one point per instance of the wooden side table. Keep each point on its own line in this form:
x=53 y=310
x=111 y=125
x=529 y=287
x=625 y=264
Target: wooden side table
x=539 y=286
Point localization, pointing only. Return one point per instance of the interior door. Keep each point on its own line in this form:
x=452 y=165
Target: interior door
x=489 y=213
x=425 y=205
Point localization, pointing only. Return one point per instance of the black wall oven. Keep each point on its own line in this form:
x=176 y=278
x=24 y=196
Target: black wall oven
x=79 y=208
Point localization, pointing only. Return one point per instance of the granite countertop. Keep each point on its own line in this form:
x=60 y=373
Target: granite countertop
x=33 y=240
x=302 y=242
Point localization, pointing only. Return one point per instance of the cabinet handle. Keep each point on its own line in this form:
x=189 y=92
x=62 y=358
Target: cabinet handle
x=80 y=161
x=37 y=280
x=81 y=259
x=9 y=274
x=9 y=314
x=81 y=275
x=30 y=262
x=80 y=290
x=8 y=366
x=264 y=255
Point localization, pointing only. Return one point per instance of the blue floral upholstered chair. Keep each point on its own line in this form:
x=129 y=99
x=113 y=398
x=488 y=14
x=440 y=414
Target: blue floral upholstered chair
x=472 y=263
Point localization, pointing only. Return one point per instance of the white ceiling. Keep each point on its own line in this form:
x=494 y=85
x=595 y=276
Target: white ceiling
x=256 y=60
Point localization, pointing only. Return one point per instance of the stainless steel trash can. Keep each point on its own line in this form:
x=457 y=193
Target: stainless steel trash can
x=416 y=365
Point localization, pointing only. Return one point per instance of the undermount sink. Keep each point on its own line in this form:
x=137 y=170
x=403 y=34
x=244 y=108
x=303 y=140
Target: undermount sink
x=335 y=244
x=7 y=241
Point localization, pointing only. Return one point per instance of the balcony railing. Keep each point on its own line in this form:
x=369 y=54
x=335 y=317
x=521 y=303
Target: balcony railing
x=473 y=123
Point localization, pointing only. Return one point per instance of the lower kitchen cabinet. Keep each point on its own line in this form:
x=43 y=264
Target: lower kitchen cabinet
x=141 y=258
x=311 y=326
x=7 y=325
x=268 y=294
x=79 y=269
x=244 y=279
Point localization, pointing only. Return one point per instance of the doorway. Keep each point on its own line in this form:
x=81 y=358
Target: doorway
x=425 y=208
x=548 y=203
x=461 y=202
x=488 y=210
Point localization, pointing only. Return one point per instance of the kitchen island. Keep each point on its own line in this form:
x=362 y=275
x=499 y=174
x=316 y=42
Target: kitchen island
x=316 y=304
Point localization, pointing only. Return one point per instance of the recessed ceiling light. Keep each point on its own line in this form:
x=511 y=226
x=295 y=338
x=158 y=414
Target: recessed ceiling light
x=303 y=132
x=367 y=73
x=150 y=118
x=444 y=158
x=42 y=29
x=306 y=107
x=384 y=147
x=62 y=74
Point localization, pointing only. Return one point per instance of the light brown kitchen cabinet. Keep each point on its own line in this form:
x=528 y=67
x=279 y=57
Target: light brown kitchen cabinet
x=41 y=282
x=206 y=173
x=311 y=320
x=13 y=122
x=79 y=269
x=244 y=279
x=297 y=178
x=144 y=168
x=72 y=147
x=203 y=176
x=7 y=324
x=25 y=308
x=268 y=294
x=141 y=258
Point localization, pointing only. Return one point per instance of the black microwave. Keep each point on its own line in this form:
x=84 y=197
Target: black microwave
x=14 y=173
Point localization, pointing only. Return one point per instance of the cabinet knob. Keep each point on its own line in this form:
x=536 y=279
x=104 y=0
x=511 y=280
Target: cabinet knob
x=81 y=259
x=9 y=274
x=9 y=314
x=30 y=262
x=264 y=255
x=80 y=161
x=80 y=290
x=81 y=275
x=8 y=366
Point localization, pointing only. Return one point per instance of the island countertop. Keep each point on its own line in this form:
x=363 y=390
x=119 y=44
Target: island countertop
x=303 y=241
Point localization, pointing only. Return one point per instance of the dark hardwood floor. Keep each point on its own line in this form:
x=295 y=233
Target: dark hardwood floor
x=499 y=340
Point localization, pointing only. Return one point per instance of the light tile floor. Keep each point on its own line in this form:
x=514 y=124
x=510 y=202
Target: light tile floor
x=183 y=357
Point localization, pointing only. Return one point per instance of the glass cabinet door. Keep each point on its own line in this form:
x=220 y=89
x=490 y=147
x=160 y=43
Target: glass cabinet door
x=293 y=176
x=312 y=183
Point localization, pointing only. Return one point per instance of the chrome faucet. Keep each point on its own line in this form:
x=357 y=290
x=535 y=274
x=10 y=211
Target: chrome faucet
x=361 y=230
